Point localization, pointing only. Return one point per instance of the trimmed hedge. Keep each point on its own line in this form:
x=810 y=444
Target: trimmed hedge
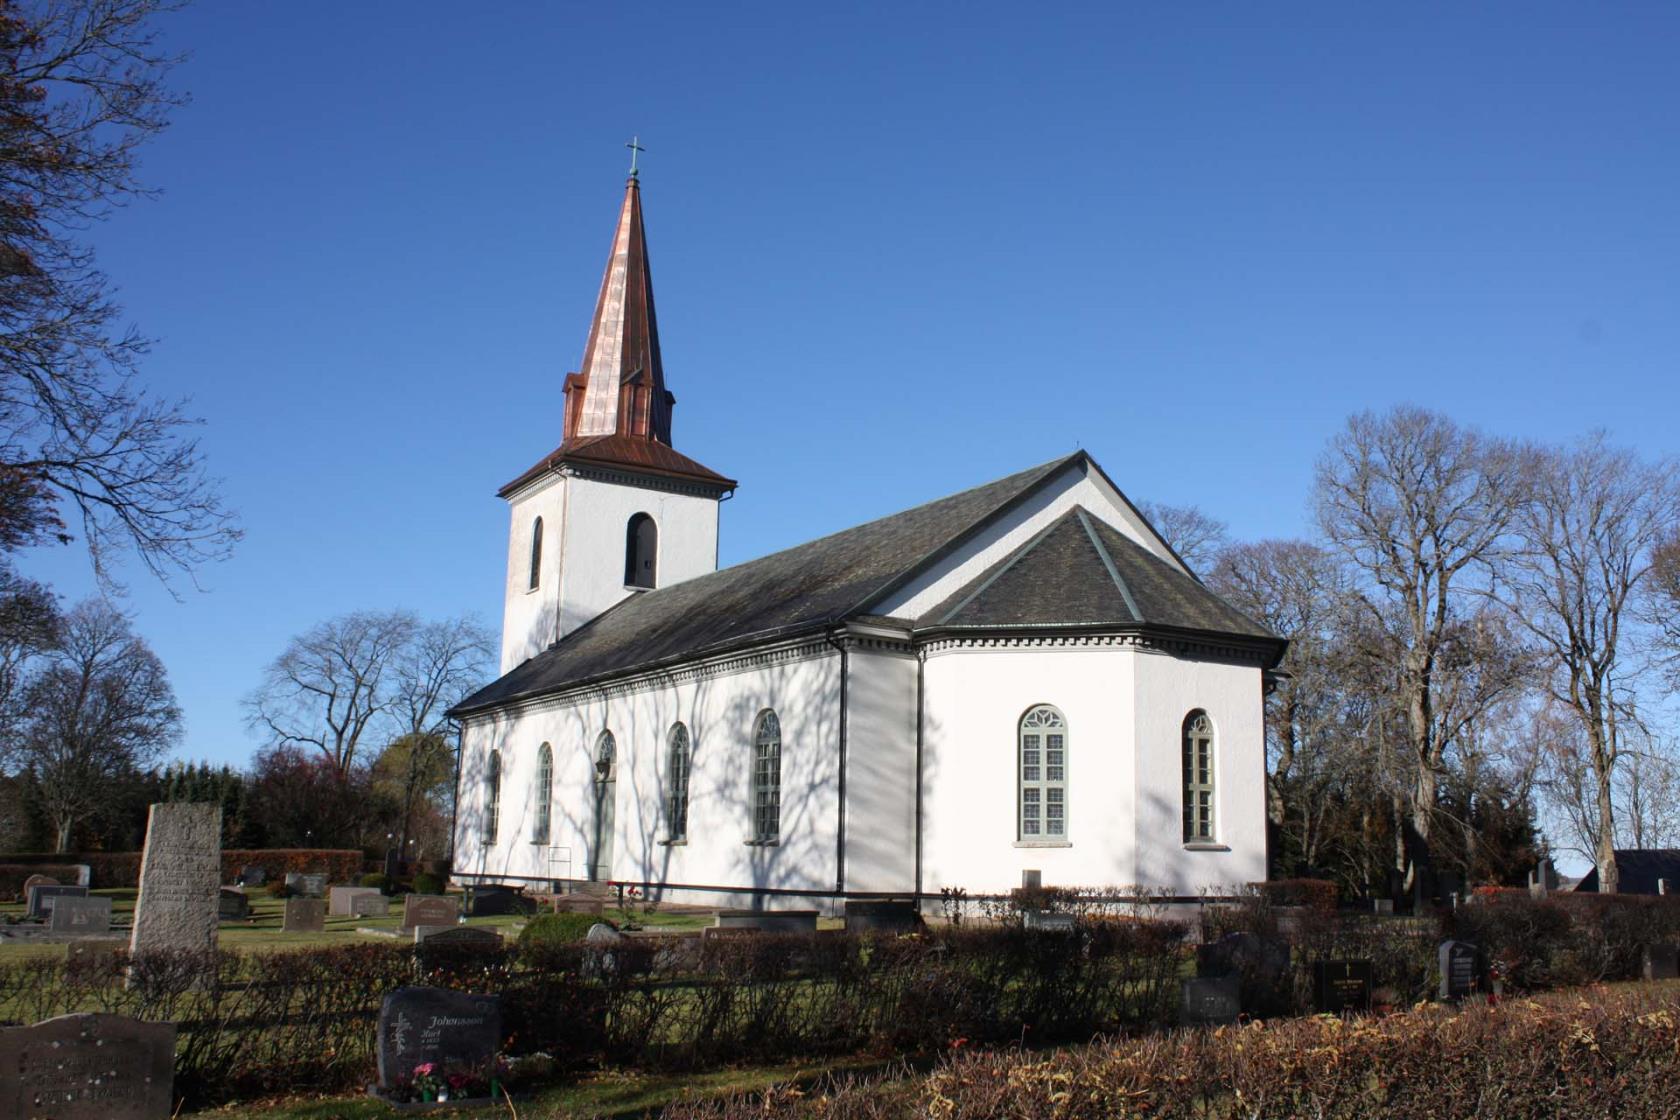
x=122 y=869
x=1594 y=1055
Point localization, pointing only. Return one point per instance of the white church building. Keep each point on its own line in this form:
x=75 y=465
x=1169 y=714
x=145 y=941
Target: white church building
x=1020 y=677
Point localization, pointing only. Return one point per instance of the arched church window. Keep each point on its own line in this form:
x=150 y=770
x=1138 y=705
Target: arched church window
x=492 y=798
x=1198 y=778
x=545 y=795
x=536 y=553
x=678 y=759
x=641 y=551
x=1042 y=775
x=767 y=779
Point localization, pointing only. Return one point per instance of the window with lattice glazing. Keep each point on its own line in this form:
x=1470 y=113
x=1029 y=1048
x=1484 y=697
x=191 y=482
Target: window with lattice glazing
x=1198 y=778
x=492 y=798
x=1042 y=773
x=767 y=779
x=676 y=784
x=545 y=795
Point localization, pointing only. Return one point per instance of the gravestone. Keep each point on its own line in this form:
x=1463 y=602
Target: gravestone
x=1340 y=986
x=304 y=915
x=180 y=875
x=1460 y=973
x=42 y=898
x=37 y=881
x=84 y=874
x=87 y=1067
x=769 y=921
x=1032 y=880
x=457 y=935
x=373 y=905
x=1382 y=906
x=452 y=1029
x=429 y=910
x=882 y=916
x=232 y=905
x=339 y=899
x=393 y=867
x=1661 y=962
x=1210 y=999
x=307 y=885
x=81 y=917
x=1261 y=964
x=1047 y=920
x=252 y=875
x=496 y=901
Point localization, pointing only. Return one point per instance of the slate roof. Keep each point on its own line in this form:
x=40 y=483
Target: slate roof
x=1081 y=571
x=1078 y=571
x=1638 y=870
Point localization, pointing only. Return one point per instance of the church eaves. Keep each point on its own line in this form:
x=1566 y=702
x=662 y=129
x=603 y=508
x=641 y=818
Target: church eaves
x=617 y=410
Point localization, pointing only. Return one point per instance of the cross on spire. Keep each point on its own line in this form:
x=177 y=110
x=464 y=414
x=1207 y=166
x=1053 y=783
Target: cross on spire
x=636 y=150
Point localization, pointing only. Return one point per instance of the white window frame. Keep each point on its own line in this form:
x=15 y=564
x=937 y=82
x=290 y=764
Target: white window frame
x=492 y=799
x=544 y=816
x=1042 y=792
x=765 y=801
x=1199 y=756
x=679 y=765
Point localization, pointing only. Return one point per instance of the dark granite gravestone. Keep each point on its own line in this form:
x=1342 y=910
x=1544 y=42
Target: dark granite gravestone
x=339 y=899
x=1260 y=963
x=37 y=881
x=232 y=905
x=180 y=873
x=1382 y=906
x=429 y=910
x=252 y=876
x=41 y=898
x=370 y=906
x=890 y=916
x=451 y=1029
x=1661 y=962
x=87 y=1067
x=495 y=901
x=312 y=886
x=1032 y=880
x=80 y=917
x=393 y=867
x=457 y=935
x=1047 y=920
x=1340 y=986
x=769 y=921
x=1460 y=969
x=304 y=915
x=1210 y=999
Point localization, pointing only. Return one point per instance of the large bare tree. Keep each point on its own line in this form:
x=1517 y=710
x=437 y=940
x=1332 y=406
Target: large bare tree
x=1590 y=523
x=441 y=664
x=1422 y=508
x=332 y=684
x=100 y=709
x=1194 y=534
x=81 y=89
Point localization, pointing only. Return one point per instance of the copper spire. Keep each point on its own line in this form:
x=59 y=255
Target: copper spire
x=621 y=390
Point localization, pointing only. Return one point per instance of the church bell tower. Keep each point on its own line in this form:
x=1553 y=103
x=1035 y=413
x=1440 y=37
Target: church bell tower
x=615 y=510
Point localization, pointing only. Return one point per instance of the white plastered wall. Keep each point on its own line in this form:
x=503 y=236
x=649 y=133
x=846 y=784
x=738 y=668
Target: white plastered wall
x=1124 y=709
x=582 y=574
x=720 y=712
x=881 y=771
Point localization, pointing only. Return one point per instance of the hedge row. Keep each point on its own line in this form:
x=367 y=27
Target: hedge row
x=1594 y=1055
x=122 y=869
x=274 y=1021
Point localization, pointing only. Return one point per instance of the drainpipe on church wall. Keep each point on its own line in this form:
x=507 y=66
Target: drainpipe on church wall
x=840 y=823
x=921 y=667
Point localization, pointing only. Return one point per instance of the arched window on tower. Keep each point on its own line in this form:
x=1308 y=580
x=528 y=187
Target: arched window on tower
x=641 y=552
x=1041 y=772
x=1198 y=778
x=492 y=798
x=536 y=553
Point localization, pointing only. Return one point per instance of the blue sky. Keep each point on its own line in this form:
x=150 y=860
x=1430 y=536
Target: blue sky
x=898 y=249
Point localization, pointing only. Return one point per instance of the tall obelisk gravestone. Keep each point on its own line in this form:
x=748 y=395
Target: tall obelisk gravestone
x=180 y=880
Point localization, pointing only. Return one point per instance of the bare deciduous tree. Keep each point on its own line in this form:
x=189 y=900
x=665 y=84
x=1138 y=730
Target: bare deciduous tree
x=1592 y=518
x=1421 y=507
x=100 y=709
x=82 y=87
x=441 y=664
x=332 y=684
x=1196 y=536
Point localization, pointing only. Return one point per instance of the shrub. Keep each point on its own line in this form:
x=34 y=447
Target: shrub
x=556 y=929
x=1315 y=894
x=277 y=888
x=377 y=881
x=428 y=883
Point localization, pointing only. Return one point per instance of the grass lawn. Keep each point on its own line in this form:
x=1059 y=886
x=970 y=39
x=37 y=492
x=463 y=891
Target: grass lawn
x=262 y=930
x=606 y=1094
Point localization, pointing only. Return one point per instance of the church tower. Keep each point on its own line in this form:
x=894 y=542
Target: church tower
x=614 y=510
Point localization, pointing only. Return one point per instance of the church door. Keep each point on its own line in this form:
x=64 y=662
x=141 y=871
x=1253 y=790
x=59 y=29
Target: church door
x=606 y=804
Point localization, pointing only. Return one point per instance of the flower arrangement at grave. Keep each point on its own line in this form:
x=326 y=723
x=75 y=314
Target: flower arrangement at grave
x=440 y=1082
